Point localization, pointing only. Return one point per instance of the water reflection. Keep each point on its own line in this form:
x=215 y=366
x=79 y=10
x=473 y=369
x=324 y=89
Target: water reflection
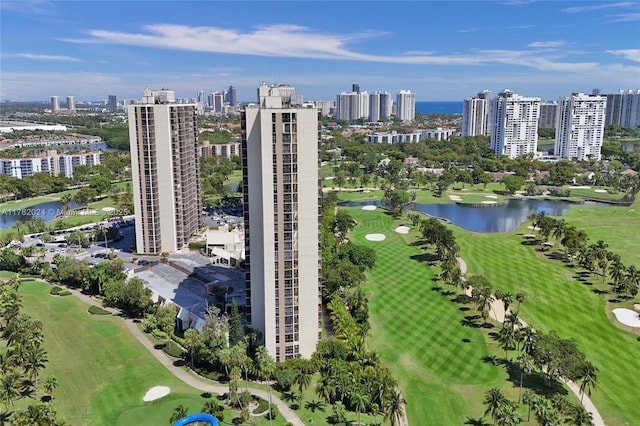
x=503 y=218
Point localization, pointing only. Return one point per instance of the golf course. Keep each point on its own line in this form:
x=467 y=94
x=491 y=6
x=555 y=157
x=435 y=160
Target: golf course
x=440 y=363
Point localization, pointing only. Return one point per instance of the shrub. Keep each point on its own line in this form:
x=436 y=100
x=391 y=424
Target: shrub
x=159 y=334
x=55 y=290
x=96 y=310
x=179 y=340
x=172 y=349
x=64 y=293
x=262 y=405
x=273 y=413
x=197 y=244
x=284 y=380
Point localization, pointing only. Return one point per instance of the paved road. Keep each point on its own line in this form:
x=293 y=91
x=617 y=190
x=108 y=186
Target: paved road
x=199 y=384
x=497 y=312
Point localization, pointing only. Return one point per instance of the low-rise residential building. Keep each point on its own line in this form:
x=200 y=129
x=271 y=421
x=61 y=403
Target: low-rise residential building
x=53 y=163
x=394 y=137
x=439 y=133
x=226 y=150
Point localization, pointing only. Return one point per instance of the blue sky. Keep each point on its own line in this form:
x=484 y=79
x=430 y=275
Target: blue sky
x=439 y=50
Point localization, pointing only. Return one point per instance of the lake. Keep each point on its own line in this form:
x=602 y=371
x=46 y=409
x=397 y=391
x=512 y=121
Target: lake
x=47 y=210
x=502 y=218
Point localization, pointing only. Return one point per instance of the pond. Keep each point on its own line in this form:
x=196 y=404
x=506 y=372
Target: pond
x=502 y=218
x=47 y=211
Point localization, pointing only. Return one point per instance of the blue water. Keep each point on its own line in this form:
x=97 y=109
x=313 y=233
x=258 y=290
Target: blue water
x=503 y=218
x=447 y=107
x=47 y=211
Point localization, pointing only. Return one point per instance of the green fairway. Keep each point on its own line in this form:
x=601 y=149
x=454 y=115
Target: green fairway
x=417 y=330
x=556 y=300
x=102 y=370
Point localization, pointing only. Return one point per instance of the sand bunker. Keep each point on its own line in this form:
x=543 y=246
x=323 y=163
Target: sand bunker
x=375 y=237
x=627 y=317
x=579 y=187
x=455 y=197
x=491 y=196
x=488 y=202
x=87 y=212
x=600 y=190
x=402 y=229
x=369 y=208
x=156 y=392
x=108 y=209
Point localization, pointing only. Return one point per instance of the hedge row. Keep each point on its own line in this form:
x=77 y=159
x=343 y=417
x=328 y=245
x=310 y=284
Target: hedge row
x=96 y=310
x=59 y=291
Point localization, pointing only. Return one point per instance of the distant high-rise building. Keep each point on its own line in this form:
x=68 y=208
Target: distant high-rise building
x=282 y=194
x=352 y=106
x=232 y=96
x=112 y=103
x=406 y=106
x=475 y=114
x=548 y=112
x=55 y=103
x=514 y=124
x=71 y=103
x=380 y=106
x=623 y=109
x=580 y=126
x=218 y=102
x=201 y=98
x=355 y=88
x=165 y=172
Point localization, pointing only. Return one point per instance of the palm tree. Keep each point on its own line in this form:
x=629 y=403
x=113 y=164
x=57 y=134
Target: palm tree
x=35 y=359
x=50 y=385
x=531 y=399
x=617 y=272
x=314 y=405
x=506 y=339
x=213 y=407
x=588 y=379
x=191 y=340
x=525 y=362
x=494 y=400
x=558 y=229
x=520 y=297
x=178 y=413
x=359 y=401
x=508 y=414
x=10 y=389
x=579 y=416
x=302 y=378
x=394 y=411
x=266 y=368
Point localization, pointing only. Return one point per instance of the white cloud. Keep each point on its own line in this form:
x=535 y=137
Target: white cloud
x=41 y=57
x=618 y=5
x=293 y=41
x=626 y=17
x=630 y=54
x=551 y=43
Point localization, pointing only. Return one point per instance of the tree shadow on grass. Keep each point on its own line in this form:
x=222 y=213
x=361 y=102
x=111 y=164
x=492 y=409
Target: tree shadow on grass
x=463 y=299
x=429 y=258
x=599 y=291
x=476 y=422
x=534 y=381
x=159 y=346
x=179 y=362
x=529 y=242
x=470 y=321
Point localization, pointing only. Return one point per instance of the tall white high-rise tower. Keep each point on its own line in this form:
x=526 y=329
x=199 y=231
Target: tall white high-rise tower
x=165 y=172
x=406 y=106
x=475 y=114
x=281 y=188
x=514 y=124
x=580 y=126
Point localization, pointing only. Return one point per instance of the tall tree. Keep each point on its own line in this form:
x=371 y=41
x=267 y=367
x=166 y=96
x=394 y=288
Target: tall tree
x=494 y=400
x=235 y=324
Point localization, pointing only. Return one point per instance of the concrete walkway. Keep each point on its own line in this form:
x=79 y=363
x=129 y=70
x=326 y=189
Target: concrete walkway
x=496 y=311
x=181 y=374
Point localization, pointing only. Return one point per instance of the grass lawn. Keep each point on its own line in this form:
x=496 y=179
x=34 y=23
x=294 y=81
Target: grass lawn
x=418 y=332
x=616 y=226
x=102 y=370
x=609 y=195
x=557 y=300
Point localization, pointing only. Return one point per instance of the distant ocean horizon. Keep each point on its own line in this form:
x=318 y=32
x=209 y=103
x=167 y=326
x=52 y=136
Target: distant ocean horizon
x=446 y=107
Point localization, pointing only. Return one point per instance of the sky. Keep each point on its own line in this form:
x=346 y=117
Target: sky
x=441 y=51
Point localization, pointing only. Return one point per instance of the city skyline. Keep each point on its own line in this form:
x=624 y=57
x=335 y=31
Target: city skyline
x=93 y=49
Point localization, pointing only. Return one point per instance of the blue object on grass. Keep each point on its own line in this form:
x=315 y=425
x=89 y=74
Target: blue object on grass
x=200 y=417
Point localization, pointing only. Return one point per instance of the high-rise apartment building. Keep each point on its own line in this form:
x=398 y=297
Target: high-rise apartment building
x=281 y=188
x=380 y=106
x=71 y=103
x=475 y=114
x=217 y=101
x=580 y=126
x=623 y=109
x=352 y=106
x=55 y=103
x=232 y=96
x=514 y=124
x=165 y=171
x=406 y=106
x=548 y=111
x=112 y=103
